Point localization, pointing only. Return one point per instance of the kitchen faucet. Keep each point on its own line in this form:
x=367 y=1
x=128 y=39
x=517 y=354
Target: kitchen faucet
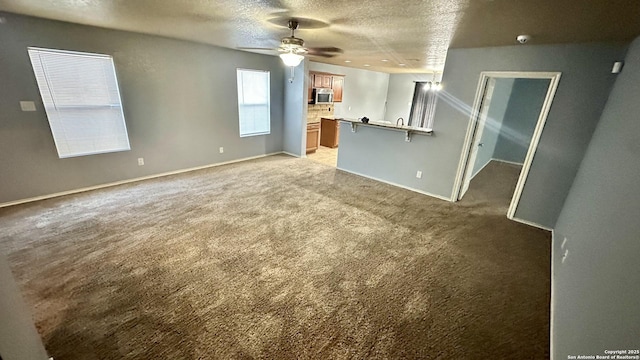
x=401 y=121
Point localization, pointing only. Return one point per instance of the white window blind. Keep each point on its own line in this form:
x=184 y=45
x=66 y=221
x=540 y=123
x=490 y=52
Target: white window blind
x=82 y=101
x=254 y=102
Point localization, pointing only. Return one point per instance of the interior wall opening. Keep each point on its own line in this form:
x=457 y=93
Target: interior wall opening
x=509 y=116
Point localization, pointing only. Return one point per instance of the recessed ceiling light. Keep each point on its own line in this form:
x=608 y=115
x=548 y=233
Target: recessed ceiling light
x=384 y=60
x=402 y=64
x=367 y=65
x=347 y=61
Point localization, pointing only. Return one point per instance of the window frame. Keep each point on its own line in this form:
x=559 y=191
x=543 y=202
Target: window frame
x=268 y=103
x=50 y=104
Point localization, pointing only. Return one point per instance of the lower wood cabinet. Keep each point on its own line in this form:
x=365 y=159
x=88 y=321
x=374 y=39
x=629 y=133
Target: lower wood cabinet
x=330 y=133
x=313 y=137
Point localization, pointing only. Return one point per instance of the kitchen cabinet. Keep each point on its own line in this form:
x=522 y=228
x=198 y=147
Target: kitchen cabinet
x=313 y=137
x=329 y=132
x=328 y=81
x=322 y=81
x=337 y=84
x=312 y=77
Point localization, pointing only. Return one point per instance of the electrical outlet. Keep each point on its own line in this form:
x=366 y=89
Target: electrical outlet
x=221 y=149
x=27 y=106
x=419 y=174
x=140 y=161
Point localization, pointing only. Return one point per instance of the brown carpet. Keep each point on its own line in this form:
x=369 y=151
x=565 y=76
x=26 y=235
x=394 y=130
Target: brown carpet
x=279 y=258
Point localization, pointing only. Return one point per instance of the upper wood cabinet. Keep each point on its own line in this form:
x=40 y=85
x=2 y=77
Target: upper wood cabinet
x=328 y=81
x=321 y=81
x=337 y=84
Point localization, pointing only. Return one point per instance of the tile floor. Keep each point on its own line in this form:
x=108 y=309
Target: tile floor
x=325 y=155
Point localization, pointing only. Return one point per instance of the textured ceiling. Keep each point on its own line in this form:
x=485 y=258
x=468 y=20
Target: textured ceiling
x=414 y=33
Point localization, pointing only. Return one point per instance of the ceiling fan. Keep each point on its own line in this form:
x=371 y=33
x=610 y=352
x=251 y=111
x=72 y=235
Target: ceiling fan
x=292 y=48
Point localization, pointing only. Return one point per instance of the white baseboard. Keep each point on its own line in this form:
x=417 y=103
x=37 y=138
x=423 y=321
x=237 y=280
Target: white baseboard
x=397 y=185
x=507 y=162
x=482 y=168
x=497 y=160
x=101 y=186
x=292 y=154
x=531 y=223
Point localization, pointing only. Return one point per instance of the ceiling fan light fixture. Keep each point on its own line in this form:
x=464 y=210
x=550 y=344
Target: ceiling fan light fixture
x=291 y=59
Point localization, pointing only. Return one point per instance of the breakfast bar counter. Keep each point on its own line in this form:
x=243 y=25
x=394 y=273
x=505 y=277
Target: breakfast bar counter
x=408 y=130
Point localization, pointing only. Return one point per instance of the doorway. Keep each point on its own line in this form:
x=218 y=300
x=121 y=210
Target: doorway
x=323 y=148
x=507 y=120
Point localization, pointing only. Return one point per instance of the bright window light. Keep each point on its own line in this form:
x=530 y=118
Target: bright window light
x=254 y=105
x=82 y=101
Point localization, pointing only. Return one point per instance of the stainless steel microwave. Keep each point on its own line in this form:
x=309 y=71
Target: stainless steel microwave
x=322 y=96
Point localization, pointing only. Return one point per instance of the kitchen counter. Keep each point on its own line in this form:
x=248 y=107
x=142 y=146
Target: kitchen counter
x=319 y=119
x=408 y=130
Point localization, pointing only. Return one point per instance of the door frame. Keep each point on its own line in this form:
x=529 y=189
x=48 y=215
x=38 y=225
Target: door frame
x=483 y=112
x=554 y=78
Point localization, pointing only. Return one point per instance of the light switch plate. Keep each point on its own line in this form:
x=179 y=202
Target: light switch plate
x=27 y=106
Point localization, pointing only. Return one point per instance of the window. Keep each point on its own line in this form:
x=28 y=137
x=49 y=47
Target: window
x=254 y=102
x=82 y=101
x=423 y=107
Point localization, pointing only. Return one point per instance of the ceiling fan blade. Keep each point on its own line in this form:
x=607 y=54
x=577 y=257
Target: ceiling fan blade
x=256 y=48
x=323 y=54
x=319 y=50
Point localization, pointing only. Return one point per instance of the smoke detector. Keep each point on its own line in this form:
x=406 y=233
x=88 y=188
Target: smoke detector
x=523 y=39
